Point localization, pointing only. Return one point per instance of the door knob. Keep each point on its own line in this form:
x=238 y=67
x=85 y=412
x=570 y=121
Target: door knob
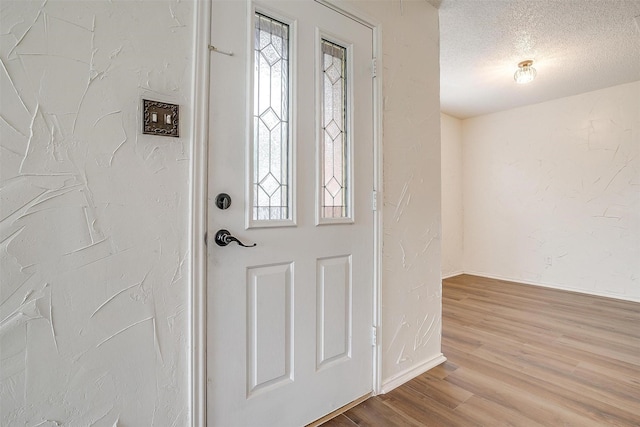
x=224 y=237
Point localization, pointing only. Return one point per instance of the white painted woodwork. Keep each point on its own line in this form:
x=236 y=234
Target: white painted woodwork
x=270 y=327
x=334 y=309
x=278 y=355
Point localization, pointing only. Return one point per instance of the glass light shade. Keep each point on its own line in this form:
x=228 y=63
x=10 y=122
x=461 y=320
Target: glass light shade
x=526 y=73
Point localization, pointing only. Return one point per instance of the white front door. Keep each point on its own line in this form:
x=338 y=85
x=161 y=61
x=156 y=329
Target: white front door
x=291 y=143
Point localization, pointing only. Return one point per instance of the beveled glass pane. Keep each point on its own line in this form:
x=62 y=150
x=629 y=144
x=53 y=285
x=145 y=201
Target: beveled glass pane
x=271 y=121
x=335 y=186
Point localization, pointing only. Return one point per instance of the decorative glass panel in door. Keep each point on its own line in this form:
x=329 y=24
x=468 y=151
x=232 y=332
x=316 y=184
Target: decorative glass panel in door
x=271 y=191
x=335 y=201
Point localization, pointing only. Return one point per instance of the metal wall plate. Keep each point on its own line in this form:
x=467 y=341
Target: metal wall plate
x=160 y=118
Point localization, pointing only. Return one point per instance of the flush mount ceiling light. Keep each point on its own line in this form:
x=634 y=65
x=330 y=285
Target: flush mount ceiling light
x=526 y=73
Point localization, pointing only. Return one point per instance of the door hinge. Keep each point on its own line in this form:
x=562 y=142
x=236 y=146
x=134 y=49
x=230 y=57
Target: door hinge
x=374 y=68
x=374 y=200
x=374 y=336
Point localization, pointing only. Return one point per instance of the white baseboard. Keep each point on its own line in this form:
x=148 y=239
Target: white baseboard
x=411 y=373
x=551 y=286
x=448 y=275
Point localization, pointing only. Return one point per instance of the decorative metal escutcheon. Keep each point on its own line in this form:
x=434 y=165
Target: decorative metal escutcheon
x=223 y=201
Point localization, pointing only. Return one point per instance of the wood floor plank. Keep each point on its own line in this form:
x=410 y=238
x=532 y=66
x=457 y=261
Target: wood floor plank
x=441 y=371
x=521 y=355
x=530 y=358
x=424 y=410
x=506 y=389
x=607 y=374
x=372 y=411
x=561 y=383
x=340 y=421
x=592 y=345
x=488 y=413
x=442 y=392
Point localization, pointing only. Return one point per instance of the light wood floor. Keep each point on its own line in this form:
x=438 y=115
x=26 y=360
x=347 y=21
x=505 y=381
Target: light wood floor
x=520 y=356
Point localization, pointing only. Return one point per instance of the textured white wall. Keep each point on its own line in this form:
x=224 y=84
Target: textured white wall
x=452 y=208
x=552 y=193
x=411 y=285
x=93 y=296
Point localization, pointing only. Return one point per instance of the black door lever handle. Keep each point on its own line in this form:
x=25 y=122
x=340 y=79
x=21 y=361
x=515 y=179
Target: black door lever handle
x=224 y=237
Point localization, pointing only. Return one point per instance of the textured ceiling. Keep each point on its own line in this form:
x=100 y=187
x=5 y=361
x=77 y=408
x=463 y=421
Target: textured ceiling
x=577 y=46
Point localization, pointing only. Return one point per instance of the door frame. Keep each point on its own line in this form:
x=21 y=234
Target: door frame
x=198 y=192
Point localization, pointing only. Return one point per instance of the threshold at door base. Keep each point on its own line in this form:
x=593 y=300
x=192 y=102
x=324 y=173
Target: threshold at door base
x=339 y=411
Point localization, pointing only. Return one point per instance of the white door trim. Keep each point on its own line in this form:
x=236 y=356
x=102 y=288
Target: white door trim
x=197 y=357
x=197 y=375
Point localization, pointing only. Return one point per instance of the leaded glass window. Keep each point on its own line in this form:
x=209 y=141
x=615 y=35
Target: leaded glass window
x=334 y=142
x=271 y=144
